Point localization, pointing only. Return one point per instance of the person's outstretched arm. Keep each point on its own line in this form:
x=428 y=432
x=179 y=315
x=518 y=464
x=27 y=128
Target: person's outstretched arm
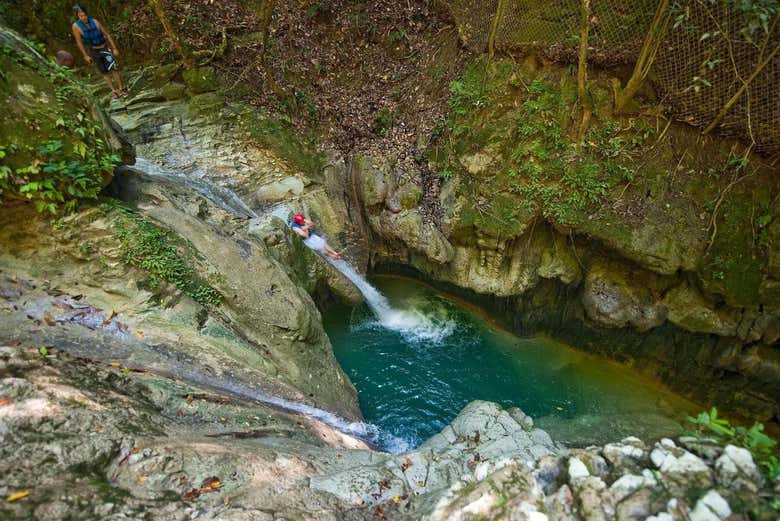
x=303 y=232
x=111 y=42
x=79 y=43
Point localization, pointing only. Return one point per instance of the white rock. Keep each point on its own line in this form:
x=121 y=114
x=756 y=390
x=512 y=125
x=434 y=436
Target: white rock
x=657 y=456
x=686 y=464
x=577 y=469
x=736 y=462
x=482 y=470
x=661 y=516
x=711 y=506
x=627 y=450
x=716 y=503
x=482 y=505
x=702 y=513
x=528 y=512
x=625 y=486
x=667 y=443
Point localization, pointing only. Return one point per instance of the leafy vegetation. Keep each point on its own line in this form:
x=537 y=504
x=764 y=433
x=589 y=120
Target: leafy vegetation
x=525 y=129
x=756 y=15
x=56 y=156
x=762 y=447
x=146 y=246
x=382 y=122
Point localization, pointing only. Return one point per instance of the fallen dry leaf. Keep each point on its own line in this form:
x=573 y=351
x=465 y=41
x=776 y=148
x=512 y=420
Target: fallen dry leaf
x=5 y=401
x=212 y=483
x=135 y=450
x=16 y=496
x=115 y=364
x=139 y=334
x=190 y=494
x=141 y=478
x=49 y=319
x=107 y=321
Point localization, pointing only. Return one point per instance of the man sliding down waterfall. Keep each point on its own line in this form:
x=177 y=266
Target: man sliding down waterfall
x=305 y=228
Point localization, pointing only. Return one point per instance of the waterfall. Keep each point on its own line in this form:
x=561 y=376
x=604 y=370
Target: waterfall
x=412 y=324
x=375 y=300
x=223 y=197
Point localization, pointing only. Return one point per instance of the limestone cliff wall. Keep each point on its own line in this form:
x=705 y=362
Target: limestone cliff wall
x=637 y=295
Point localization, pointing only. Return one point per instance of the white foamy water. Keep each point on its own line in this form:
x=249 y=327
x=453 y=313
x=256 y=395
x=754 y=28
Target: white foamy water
x=413 y=324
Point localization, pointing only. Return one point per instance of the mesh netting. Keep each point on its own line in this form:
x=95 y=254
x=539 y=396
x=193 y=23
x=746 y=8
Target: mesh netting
x=701 y=64
x=699 y=74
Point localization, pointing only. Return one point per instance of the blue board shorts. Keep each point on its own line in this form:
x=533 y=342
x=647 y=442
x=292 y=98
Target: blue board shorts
x=103 y=59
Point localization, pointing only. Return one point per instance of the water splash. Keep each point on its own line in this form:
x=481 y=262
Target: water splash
x=413 y=324
x=223 y=197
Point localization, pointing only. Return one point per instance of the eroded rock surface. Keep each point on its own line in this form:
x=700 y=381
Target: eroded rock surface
x=91 y=440
x=264 y=328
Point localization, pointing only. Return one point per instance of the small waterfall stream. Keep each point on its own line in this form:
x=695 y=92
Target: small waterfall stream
x=221 y=196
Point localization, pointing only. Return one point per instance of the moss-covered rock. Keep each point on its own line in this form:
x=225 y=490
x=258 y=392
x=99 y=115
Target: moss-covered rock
x=201 y=79
x=277 y=339
x=409 y=227
x=55 y=148
x=374 y=174
x=690 y=310
x=559 y=260
x=173 y=91
x=409 y=196
x=612 y=296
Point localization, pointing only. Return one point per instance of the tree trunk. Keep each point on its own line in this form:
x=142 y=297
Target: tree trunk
x=741 y=91
x=159 y=10
x=644 y=62
x=582 y=72
x=494 y=29
x=266 y=12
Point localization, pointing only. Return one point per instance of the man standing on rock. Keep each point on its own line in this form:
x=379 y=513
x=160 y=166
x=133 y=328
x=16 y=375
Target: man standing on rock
x=91 y=38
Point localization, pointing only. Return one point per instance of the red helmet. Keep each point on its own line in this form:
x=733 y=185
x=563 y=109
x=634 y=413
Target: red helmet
x=299 y=218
